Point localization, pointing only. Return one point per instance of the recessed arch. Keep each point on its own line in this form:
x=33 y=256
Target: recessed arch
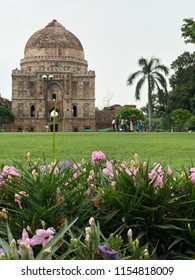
x=74 y=111
x=54 y=113
x=32 y=110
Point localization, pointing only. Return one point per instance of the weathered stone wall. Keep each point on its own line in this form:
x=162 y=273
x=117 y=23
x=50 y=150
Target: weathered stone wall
x=104 y=117
x=54 y=51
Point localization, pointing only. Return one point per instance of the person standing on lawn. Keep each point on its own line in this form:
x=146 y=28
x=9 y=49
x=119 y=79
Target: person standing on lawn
x=113 y=124
x=117 y=123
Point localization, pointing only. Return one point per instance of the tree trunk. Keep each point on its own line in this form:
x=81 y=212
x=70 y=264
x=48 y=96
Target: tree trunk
x=149 y=107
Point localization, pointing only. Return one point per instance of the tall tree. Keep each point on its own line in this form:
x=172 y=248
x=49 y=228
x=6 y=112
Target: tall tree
x=151 y=73
x=182 y=82
x=188 y=30
x=6 y=115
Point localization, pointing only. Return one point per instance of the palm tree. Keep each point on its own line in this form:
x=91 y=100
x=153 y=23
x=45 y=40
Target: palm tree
x=150 y=72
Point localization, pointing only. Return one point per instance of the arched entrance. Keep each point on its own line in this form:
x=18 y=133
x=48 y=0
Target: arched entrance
x=54 y=119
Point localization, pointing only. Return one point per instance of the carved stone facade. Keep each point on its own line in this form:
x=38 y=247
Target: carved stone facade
x=53 y=81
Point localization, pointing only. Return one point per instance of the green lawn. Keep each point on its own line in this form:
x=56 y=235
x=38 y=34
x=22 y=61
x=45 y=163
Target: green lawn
x=176 y=149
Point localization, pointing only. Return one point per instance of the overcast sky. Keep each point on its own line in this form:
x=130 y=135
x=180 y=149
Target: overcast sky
x=114 y=34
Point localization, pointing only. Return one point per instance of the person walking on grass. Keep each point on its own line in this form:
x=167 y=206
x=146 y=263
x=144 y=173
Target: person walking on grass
x=123 y=124
x=113 y=124
x=131 y=128
x=117 y=124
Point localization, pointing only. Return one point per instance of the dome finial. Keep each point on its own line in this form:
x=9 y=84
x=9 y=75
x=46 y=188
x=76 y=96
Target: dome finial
x=54 y=23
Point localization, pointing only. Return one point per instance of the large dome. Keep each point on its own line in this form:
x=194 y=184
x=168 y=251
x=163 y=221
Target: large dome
x=53 y=41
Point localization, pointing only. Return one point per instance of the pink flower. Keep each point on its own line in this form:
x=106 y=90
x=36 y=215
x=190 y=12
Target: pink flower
x=77 y=173
x=9 y=170
x=25 y=238
x=130 y=171
x=192 y=175
x=158 y=181
x=97 y=156
x=55 y=169
x=42 y=237
x=18 y=198
x=169 y=170
x=156 y=175
x=192 y=169
x=108 y=171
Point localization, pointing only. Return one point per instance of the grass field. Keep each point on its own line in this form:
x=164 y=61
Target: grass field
x=175 y=149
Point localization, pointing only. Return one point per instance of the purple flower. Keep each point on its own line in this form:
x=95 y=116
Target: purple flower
x=108 y=254
x=65 y=164
x=1 y=250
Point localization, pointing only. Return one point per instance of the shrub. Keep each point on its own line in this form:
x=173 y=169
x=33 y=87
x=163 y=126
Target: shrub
x=96 y=209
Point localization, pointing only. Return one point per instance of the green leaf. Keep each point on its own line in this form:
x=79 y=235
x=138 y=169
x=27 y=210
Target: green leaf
x=169 y=226
x=9 y=234
x=177 y=240
x=5 y=246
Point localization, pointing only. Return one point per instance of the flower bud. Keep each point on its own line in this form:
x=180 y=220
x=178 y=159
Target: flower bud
x=46 y=254
x=146 y=254
x=88 y=240
x=74 y=242
x=2 y=256
x=113 y=184
x=28 y=156
x=144 y=166
x=136 y=158
x=130 y=235
x=13 y=249
x=28 y=228
x=34 y=174
x=92 y=224
x=43 y=224
x=132 y=164
x=88 y=230
x=4 y=214
x=136 y=244
x=23 y=251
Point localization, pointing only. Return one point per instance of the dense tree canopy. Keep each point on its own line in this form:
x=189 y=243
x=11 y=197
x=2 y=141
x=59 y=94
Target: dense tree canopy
x=180 y=118
x=129 y=113
x=182 y=83
x=5 y=114
x=188 y=30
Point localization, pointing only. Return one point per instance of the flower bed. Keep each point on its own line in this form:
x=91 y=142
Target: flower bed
x=96 y=209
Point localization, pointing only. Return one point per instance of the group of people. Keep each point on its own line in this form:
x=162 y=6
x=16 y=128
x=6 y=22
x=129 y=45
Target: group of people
x=125 y=125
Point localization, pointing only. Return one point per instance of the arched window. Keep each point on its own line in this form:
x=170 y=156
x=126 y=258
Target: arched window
x=54 y=96
x=32 y=110
x=54 y=113
x=74 y=111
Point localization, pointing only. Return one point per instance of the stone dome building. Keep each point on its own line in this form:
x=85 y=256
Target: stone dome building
x=53 y=81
